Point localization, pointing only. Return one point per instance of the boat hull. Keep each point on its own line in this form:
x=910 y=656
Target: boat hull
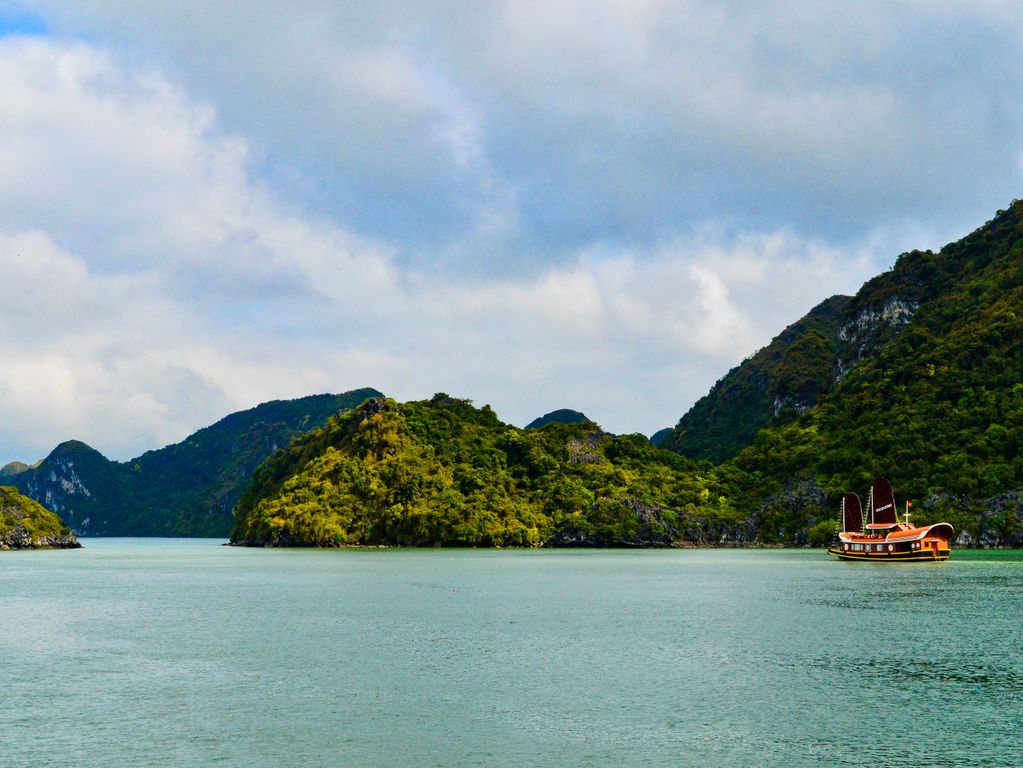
x=915 y=556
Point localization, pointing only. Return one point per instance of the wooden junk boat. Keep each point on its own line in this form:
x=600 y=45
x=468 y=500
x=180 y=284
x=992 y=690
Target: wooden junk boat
x=884 y=539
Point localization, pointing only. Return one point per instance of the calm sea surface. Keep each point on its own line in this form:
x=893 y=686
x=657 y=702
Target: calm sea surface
x=145 y=652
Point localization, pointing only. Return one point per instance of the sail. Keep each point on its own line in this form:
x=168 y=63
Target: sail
x=852 y=513
x=883 y=511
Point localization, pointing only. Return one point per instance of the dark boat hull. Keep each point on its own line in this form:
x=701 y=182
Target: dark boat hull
x=916 y=556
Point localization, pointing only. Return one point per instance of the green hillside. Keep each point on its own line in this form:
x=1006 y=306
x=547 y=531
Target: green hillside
x=774 y=386
x=186 y=489
x=932 y=392
x=24 y=523
x=442 y=472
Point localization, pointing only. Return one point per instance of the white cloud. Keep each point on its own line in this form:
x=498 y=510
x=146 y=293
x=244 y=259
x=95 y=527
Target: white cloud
x=597 y=205
x=605 y=119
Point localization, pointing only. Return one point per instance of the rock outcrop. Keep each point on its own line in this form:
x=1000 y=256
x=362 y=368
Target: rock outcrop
x=20 y=538
x=654 y=526
x=26 y=524
x=994 y=523
x=863 y=334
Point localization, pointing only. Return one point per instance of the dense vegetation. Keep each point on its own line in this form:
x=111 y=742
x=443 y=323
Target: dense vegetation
x=186 y=489
x=775 y=385
x=26 y=523
x=935 y=403
x=445 y=472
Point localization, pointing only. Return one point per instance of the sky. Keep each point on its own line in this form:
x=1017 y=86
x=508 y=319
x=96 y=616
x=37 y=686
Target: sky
x=600 y=205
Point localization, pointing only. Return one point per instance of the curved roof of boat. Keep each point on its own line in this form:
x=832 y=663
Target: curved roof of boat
x=940 y=530
x=857 y=537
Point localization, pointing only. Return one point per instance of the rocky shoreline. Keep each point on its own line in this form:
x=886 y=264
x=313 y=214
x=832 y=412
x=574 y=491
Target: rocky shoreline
x=20 y=538
x=26 y=524
x=996 y=524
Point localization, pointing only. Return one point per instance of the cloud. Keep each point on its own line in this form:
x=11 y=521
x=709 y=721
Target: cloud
x=597 y=205
x=608 y=120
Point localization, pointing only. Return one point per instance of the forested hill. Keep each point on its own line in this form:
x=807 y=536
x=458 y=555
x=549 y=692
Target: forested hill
x=444 y=472
x=774 y=386
x=186 y=489
x=26 y=524
x=929 y=391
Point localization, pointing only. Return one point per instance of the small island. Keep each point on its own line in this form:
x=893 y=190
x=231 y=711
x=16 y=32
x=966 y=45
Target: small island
x=27 y=524
x=443 y=472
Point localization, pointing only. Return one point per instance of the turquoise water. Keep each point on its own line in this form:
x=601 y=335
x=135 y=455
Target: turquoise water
x=141 y=652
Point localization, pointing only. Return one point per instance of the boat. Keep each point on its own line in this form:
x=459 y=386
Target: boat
x=884 y=539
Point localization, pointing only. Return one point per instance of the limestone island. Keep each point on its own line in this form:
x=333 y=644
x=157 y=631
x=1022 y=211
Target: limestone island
x=27 y=524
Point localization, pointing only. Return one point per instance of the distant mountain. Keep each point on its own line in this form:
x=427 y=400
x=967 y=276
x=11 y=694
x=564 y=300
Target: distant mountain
x=442 y=472
x=26 y=524
x=561 y=416
x=658 y=437
x=186 y=489
x=7 y=471
x=774 y=386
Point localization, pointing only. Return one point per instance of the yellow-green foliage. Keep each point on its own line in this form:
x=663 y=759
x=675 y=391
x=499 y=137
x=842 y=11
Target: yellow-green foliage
x=445 y=472
x=18 y=510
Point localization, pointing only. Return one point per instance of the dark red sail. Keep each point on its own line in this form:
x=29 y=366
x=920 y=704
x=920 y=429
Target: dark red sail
x=852 y=513
x=883 y=511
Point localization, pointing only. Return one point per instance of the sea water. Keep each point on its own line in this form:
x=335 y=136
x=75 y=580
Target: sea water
x=147 y=652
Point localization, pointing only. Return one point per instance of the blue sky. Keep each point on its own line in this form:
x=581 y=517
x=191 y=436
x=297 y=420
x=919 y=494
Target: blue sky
x=15 y=21
x=599 y=205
